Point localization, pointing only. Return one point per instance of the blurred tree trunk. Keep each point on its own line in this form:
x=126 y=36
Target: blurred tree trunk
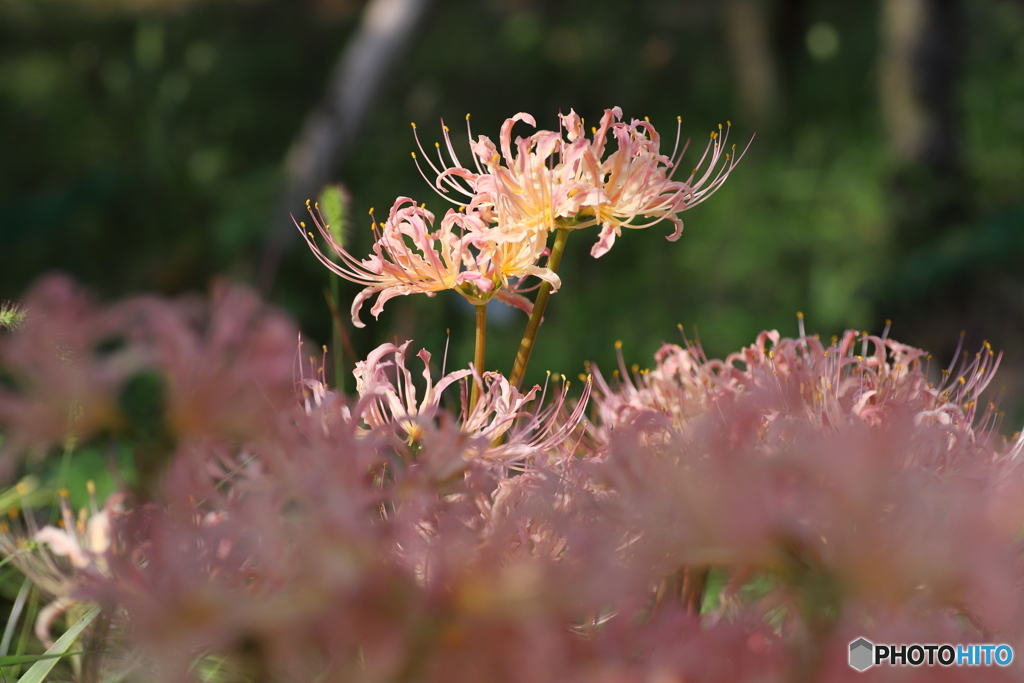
x=385 y=30
x=748 y=36
x=790 y=37
x=922 y=51
x=955 y=269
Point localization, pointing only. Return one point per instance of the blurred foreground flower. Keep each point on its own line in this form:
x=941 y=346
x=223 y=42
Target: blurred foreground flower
x=721 y=520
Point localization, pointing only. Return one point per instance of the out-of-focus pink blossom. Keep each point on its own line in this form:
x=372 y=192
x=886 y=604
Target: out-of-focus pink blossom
x=223 y=368
x=843 y=465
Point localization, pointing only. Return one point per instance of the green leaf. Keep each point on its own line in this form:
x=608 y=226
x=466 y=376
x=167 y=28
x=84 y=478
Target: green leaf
x=12 y=660
x=37 y=673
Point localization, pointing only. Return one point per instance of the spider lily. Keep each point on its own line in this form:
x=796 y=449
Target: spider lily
x=411 y=256
x=554 y=179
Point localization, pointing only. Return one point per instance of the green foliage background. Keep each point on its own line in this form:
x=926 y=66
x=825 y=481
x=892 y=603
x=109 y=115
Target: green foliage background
x=143 y=149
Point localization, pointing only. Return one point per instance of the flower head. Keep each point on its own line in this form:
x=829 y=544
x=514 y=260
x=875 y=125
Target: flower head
x=563 y=179
x=411 y=256
x=516 y=424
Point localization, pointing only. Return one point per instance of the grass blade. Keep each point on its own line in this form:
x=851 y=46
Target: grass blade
x=37 y=673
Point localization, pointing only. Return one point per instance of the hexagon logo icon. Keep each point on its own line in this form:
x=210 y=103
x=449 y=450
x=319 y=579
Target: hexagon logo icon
x=861 y=654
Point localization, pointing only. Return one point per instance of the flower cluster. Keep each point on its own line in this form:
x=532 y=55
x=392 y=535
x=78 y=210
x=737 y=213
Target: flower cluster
x=716 y=520
x=514 y=199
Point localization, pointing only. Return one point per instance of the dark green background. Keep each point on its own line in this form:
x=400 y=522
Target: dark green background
x=142 y=149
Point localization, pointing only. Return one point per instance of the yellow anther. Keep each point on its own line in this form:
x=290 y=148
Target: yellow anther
x=860 y=358
x=714 y=135
x=963 y=380
x=444 y=128
x=719 y=126
x=728 y=123
x=635 y=367
x=63 y=492
x=679 y=119
x=12 y=512
x=310 y=234
x=771 y=356
x=316 y=205
x=467 y=117
x=593 y=130
x=307 y=203
x=437 y=145
x=413 y=124
x=618 y=344
x=888 y=322
x=371 y=210
x=800 y=314
x=582 y=377
x=302 y=224
x=413 y=154
x=647 y=119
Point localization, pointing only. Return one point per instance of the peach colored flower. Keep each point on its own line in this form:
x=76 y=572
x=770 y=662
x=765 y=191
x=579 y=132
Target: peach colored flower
x=390 y=399
x=635 y=180
x=410 y=256
x=555 y=179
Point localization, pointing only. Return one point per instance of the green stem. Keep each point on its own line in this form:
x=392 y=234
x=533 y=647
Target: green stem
x=339 y=372
x=526 y=346
x=480 y=353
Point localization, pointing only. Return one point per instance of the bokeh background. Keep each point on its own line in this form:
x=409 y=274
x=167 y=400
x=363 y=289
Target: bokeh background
x=153 y=145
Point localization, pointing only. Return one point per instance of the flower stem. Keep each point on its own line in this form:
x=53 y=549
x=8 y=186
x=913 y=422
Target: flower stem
x=526 y=346
x=479 y=354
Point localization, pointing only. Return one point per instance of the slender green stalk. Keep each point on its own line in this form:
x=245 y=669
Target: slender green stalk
x=338 y=332
x=479 y=353
x=526 y=346
x=339 y=371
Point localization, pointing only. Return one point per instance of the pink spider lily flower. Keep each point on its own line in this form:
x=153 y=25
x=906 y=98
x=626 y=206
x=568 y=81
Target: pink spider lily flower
x=551 y=181
x=502 y=417
x=58 y=558
x=523 y=191
x=410 y=257
x=636 y=180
